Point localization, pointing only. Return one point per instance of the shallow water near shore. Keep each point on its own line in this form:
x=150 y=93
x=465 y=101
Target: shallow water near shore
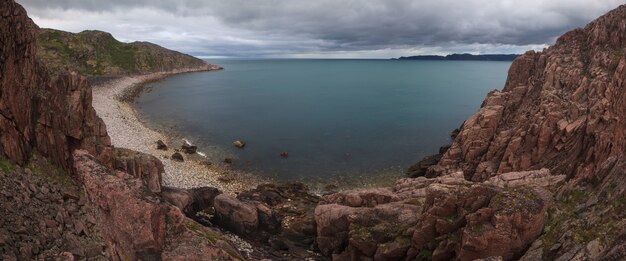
x=360 y=121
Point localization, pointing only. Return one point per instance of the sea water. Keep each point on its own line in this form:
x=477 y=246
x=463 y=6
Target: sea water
x=336 y=119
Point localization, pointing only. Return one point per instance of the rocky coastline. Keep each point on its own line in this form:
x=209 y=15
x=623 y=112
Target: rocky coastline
x=538 y=173
x=113 y=101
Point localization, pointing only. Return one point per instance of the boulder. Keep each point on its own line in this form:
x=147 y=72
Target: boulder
x=161 y=145
x=177 y=157
x=139 y=165
x=189 y=149
x=239 y=144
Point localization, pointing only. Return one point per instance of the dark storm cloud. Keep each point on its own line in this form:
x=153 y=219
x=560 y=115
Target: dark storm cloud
x=303 y=26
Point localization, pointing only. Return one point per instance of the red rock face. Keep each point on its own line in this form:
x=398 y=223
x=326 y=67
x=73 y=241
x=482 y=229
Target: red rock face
x=54 y=118
x=563 y=109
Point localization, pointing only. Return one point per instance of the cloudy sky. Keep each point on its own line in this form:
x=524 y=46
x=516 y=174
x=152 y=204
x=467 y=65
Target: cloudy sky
x=325 y=28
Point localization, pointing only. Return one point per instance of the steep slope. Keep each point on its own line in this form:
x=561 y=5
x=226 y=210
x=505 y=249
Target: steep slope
x=563 y=108
x=96 y=53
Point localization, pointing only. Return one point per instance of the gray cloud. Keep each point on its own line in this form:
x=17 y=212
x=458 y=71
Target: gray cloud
x=304 y=27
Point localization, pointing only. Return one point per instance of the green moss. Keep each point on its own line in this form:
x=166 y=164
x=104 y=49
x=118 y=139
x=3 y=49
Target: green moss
x=426 y=254
x=6 y=166
x=205 y=233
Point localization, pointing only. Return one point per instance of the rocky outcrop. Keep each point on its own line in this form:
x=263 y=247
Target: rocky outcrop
x=440 y=219
x=142 y=166
x=138 y=226
x=55 y=118
x=279 y=218
x=561 y=109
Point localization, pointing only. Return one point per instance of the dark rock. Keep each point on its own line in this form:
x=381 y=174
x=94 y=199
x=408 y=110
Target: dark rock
x=228 y=160
x=161 y=145
x=284 y=154
x=189 y=149
x=178 y=157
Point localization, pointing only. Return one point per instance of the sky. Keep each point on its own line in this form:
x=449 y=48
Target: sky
x=325 y=28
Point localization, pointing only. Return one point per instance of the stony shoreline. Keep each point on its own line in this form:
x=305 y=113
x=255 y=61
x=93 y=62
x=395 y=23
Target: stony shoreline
x=112 y=99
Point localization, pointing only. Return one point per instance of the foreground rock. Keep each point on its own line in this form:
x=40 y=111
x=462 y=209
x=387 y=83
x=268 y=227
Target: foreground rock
x=142 y=166
x=137 y=225
x=440 y=219
x=279 y=218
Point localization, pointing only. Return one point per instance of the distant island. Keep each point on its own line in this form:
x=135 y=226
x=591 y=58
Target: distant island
x=462 y=57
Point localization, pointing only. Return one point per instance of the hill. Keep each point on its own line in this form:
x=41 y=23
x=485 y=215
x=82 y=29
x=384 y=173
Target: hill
x=97 y=53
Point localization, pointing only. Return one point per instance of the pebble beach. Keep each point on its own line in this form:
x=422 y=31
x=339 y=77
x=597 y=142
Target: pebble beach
x=113 y=101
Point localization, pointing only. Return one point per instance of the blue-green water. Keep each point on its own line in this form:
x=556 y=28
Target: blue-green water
x=335 y=118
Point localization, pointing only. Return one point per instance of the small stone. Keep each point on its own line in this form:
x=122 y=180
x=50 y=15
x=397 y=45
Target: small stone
x=161 y=145
x=239 y=144
x=284 y=154
x=178 y=157
x=228 y=160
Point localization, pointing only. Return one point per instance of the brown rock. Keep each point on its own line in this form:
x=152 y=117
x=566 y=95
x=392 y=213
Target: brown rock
x=142 y=166
x=137 y=225
x=161 y=145
x=476 y=220
x=178 y=157
x=239 y=144
x=237 y=216
x=56 y=117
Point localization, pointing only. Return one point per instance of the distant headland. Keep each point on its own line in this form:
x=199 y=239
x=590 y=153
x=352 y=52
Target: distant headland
x=461 y=57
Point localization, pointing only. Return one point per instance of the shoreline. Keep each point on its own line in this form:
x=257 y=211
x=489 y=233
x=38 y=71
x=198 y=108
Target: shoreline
x=112 y=100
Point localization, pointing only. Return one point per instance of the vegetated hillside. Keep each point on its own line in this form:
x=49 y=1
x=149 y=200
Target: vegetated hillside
x=97 y=53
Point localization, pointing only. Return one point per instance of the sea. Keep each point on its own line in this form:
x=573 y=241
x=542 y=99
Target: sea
x=338 y=120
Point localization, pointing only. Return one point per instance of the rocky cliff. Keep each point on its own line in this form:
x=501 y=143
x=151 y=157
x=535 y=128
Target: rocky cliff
x=91 y=200
x=536 y=174
x=97 y=53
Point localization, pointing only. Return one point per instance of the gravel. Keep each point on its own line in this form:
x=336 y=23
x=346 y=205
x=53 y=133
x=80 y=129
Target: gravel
x=110 y=99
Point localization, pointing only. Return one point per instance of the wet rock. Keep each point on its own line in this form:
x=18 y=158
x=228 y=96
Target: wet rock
x=239 y=144
x=178 y=157
x=189 y=149
x=161 y=145
x=228 y=161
